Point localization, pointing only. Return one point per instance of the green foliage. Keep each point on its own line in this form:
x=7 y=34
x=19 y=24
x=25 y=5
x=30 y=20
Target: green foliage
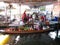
x=42 y=8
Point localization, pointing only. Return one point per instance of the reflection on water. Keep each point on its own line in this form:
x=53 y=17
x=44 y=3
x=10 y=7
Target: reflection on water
x=34 y=39
x=29 y=39
x=9 y=39
x=53 y=34
x=4 y=39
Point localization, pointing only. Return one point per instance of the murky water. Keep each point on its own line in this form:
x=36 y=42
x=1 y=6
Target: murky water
x=31 y=39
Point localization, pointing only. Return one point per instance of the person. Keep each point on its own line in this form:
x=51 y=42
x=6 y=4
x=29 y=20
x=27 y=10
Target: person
x=24 y=17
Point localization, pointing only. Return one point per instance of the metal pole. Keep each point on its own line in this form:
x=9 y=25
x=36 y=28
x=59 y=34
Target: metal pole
x=58 y=23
